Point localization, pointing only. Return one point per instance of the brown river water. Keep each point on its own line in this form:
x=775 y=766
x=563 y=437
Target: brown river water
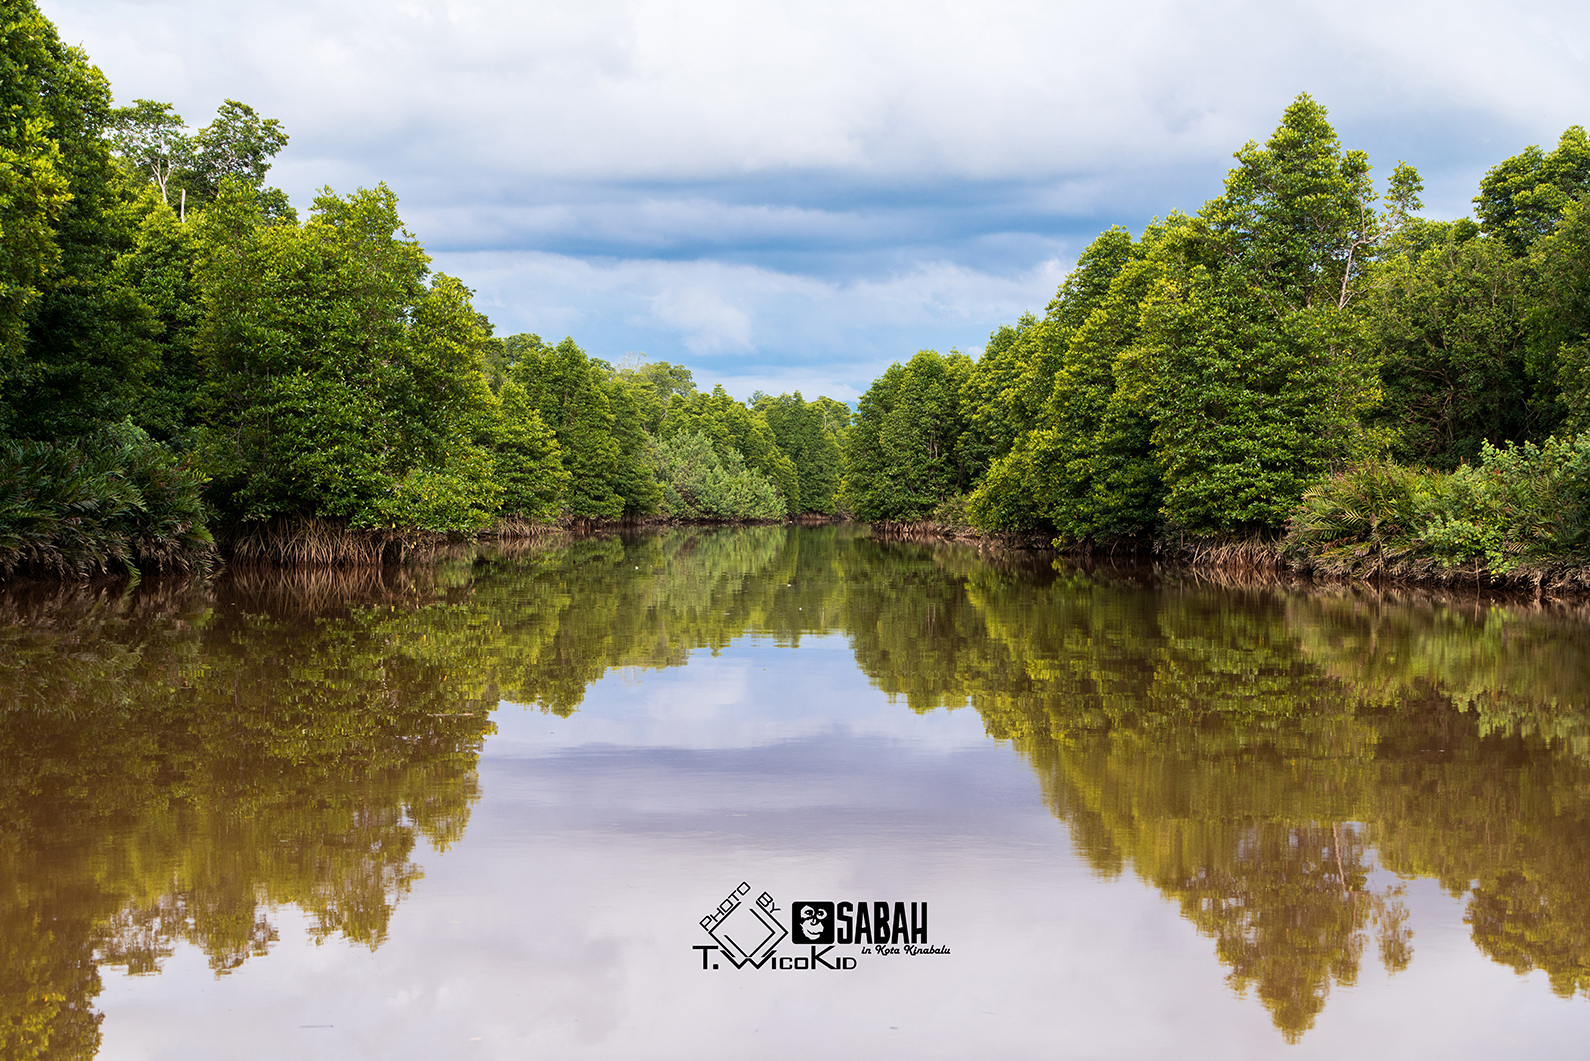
x=784 y=793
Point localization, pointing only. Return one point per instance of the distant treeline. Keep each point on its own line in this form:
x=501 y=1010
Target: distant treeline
x=1302 y=357
x=180 y=354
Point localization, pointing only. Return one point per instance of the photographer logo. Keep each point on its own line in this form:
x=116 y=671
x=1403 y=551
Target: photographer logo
x=824 y=935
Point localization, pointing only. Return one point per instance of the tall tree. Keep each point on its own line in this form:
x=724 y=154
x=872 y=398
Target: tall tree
x=1521 y=198
x=800 y=430
x=344 y=380
x=567 y=389
x=154 y=140
x=62 y=222
x=635 y=478
x=1561 y=319
x=529 y=463
x=1047 y=475
x=1450 y=322
x=1260 y=367
x=732 y=426
x=902 y=458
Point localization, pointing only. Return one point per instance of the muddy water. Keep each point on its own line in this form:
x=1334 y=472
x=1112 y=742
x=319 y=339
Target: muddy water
x=589 y=799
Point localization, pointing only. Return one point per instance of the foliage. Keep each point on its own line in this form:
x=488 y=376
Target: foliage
x=903 y=455
x=567 y=390
x=1259 y=367
x=528 y=461
x=654 y=385
x=802 y=432
x=1520 y=506
x=61 y=208
x=1083 y=464
x=1199 y=379
x=700 y=483
x=117 y=501
x=1522 y=197
x=1561 y=315
x=35 y=184
x=189 y=170
x=635 y=478
x=732 y=427
x=1451 y=320
x=1006 y=389
x=154 y=282
x=340 y=382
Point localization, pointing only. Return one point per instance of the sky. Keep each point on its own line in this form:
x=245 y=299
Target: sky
x=787 y=196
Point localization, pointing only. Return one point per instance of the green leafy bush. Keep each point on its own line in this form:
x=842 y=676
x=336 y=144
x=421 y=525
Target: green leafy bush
x=116 y=500
x=1520 y=506
x=699 y=484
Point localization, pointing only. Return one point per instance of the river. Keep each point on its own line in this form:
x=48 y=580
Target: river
x=789 y=792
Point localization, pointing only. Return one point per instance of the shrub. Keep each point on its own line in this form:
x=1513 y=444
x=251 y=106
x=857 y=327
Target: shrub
x=1521 y=505
x=698 y=483
x=117 y=499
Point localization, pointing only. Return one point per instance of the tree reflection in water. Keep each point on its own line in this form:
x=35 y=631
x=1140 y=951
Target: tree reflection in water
x=175 y=762
x=1253 y=752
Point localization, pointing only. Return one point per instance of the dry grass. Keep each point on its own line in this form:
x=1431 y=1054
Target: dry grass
x=1231 y=555
x=316 y=542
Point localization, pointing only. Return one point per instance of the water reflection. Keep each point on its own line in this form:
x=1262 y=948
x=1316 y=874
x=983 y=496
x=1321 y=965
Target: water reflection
x=175 y=763
x=1253 y=754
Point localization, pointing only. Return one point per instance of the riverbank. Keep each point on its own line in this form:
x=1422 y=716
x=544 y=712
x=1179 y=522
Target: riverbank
x=1366 y=563
x=320 y=545
x=315 y=544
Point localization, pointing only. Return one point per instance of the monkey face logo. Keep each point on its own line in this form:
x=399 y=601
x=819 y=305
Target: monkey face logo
x=812 y=922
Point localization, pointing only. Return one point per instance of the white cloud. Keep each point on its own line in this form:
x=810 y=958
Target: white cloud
x=693 y=88
x=831 y=169
x=721 y=314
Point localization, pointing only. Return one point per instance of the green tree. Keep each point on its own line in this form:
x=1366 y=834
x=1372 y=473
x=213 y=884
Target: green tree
x=568 y=391
x=1000 y=397
x=1259 y=366
x=902 y=458
x=654 y=383
x=733 y=427
x=1082 y=462
x=837 y=418
x=1522 y=198
x=1013 y=391
x=342 y=384
x=529 y=463
x=155 y=282
x=1561 y=317
x=802 y=434
x=699 y=483
x=1450 y=321
x=62 y=208
x=635 y=478
x=154 y=140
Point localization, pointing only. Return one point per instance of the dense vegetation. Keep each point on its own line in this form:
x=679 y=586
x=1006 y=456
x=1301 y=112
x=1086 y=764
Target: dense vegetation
x=1301 y=353
x=183 y=358
x=1304 y=361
